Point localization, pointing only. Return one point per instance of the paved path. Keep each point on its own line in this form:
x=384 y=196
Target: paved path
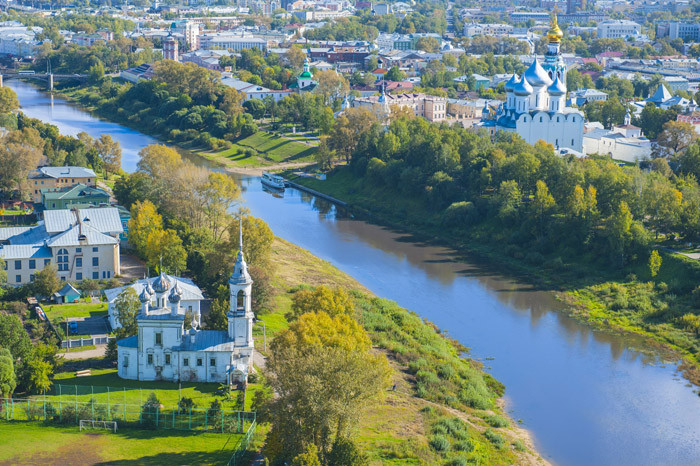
x=131 y=268
x=98 y=352
x=259 y=359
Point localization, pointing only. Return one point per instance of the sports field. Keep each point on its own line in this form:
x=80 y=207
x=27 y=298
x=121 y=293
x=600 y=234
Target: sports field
x=26 y=443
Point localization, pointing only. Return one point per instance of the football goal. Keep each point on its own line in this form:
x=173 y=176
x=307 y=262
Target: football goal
x=92 y=424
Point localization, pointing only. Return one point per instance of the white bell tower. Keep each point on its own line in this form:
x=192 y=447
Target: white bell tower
x=240 y=316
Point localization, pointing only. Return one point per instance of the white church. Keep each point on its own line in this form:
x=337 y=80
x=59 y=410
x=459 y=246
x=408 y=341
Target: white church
x=535 y=105
x=164 y=350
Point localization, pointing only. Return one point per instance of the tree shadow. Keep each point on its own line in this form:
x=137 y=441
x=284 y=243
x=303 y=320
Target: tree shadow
x=192 y=458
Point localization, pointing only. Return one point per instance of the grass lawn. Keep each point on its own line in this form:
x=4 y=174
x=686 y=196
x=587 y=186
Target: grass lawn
x=263 y=149
x=74 y=310
x=133 y=391
x=34 y=443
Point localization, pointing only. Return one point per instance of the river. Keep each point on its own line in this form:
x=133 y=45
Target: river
x=588 y=397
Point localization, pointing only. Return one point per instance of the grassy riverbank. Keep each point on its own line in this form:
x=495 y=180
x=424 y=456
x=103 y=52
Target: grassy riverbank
x=443 y=408
x=259 y=150
x=625 y=299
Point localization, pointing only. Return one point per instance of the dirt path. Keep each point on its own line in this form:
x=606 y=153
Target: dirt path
x=258 y=171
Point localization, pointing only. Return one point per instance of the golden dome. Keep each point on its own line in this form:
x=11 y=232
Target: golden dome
x=554 y=35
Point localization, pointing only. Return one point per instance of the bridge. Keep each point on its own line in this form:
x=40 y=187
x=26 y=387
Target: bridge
x=48 y=77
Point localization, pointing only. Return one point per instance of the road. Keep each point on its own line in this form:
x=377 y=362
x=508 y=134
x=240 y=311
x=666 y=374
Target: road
x=98 y=352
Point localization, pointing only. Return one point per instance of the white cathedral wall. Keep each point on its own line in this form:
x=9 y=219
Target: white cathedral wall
x=185 y=305
x=127 y=356
x=564 y=133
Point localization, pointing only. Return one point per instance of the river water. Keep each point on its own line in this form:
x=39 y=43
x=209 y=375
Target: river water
x=588 y=397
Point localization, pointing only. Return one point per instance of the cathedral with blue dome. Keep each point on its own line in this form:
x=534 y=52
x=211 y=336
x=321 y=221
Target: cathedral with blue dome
x=535 y=105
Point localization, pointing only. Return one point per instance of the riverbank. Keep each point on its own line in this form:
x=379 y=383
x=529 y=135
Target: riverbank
x=625 y=301
x=251 y=155
x=425 y=400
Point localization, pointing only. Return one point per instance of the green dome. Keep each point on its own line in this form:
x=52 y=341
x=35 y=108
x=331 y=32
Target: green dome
x=305 y=75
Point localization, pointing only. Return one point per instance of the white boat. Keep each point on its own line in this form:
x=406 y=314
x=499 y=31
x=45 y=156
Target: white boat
x=272 y=181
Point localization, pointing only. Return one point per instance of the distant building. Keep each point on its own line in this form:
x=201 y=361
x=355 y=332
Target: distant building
x=137 y=73
x=59 y=177
x=618 y=29
x=689 y=32
x=209 y=59
x=625 y=143
x=253 y=91
x=230 y=41
x=305 y=81
x=170 y=49
x=432 y=108
x=676 y=83
x=583 y=96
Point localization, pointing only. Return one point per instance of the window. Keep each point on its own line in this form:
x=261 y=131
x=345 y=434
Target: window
x=240 y=300
x=167 y=359
x=95 y=261
x=159 y=338
x=78 y=276
x=32 y=264
x=540 y=119
x=78 y=261
x=47 y=262
x=199 y=361
x=186 y=362
x=94 y=249
x=78 y=249
x=18 y=278
x=95 y=275
x=18 y=265
x=212 y=362
x=150 y=359
x=572 y=142
x=189 y=308
x=31 y=278
x=126 y=361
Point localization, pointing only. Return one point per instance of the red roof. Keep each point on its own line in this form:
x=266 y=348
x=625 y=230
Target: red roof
x=610 y=53
x=590 y=60
x=380 y=71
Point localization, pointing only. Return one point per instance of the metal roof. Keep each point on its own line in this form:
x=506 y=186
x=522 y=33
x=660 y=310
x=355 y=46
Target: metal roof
x=24 y=235
x=77 y=191
x=63 y=172
x=75 y=237
x=207 y=340
x=24 y=251
x=103 y=219
x=129 y=342
x=190 y=291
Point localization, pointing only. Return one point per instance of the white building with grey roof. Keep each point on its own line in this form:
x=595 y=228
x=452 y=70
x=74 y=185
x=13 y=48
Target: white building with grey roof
x=163 y=349
x=80 y=243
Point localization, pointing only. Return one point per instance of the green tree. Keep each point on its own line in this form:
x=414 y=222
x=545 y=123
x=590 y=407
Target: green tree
x=309 y=457
x=542 y=205
x=216 y=319
x=40 y=375
x=144 y=221
x=46 y=282
x=618 y=227
x=127 y=307
x=8 y=379
x=110 y=152
x=8 y=100
x=677 y=136
x=654 y=263
x=165 y=246
x=395 y=74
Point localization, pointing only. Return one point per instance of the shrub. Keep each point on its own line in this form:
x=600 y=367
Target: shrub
x=453 y=426
x=460 y=214
x=519 y=446
x=494 y=438
x=459 y=461
x=464 y=445
x=253 y=377
x=440 y=443
x=496 y=421
x=446 y=371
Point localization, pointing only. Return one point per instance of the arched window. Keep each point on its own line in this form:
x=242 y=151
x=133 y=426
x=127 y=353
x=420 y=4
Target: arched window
x=240 y=300
x=550 y=75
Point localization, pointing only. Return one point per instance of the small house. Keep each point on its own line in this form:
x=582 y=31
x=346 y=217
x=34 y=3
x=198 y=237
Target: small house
x=67 y=294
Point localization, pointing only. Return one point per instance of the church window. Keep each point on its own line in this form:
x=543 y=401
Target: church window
x=150 y=359
x=212 y=362
x=540 y=119
x=240 y=298
x=167 y=359
x=159 y=338
x=126 y=361
x=199 y=361
x=556 y=142
x=572 y=142
x=557 y=119
x=186 y=362
x=574 y=120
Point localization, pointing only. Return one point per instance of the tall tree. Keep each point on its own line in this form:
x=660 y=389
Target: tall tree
x=144 y=220
x=46 y=282
x=8 y=378
x=332 y=301
x=324 y=376
x=8 y=100
x=110 y=152
x=127 y=306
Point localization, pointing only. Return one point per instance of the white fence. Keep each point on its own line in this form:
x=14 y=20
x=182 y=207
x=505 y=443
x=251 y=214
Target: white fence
x=85 y=342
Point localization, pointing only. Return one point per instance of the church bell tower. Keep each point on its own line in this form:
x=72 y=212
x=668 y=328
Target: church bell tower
x=240 y=315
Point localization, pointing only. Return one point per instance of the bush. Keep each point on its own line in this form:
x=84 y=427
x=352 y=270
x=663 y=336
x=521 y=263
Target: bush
x=253 y=377
x=496 y=421
x=494 y=438
x=446 y=371
x=440 y=443
x=464 y=445
x=461 y=214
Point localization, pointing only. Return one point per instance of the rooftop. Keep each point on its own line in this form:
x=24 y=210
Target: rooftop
x=62 y=172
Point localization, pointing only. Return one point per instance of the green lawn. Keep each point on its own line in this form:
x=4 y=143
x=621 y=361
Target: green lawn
x=74 y=310
x=263 y=149
x=34 y=443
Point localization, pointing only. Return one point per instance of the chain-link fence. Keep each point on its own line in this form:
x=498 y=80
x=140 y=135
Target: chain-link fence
x=150 y=415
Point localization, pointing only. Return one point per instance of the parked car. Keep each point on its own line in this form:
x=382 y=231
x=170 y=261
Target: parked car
x=73 y=325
